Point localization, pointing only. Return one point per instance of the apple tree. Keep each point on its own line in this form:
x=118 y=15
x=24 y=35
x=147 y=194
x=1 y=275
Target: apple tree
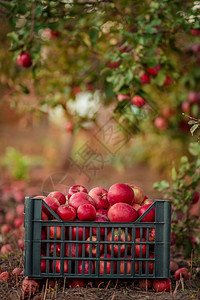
x=143 y=58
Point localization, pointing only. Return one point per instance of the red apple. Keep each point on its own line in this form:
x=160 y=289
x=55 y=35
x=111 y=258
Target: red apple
x=185 y=106
x=114 y=64
x=55 y=232
x=184 y=273
x=77 y=90
x=193 y=97
x=93 y=247
x=118 y=248
x=136 y=206
x=137 y=232
x=74 y=248
x=167 y=112
x=196 y=48
x=86 y=212
x=151 y=237
x=108 y=265
x=17 y=271
x=122 y=212
x=5 y=229
x=43 y=264
x=138 y=193
x=160 y=123
x=19 y=196
x=20 y=244
x=154 y=71
x=173 y=266
x=80 y=198
x=76 y=189
x=24 y=60
x=145 y=284
x=59 y=196
x=4 y=276
x=57 y=249
x=126 y=270
x=43 y=235
x=66 y=212
x=195 y=32
x=101 y=211
x=195 y=197
x=58 y=266
x=150 y=216
x=18 y=222
x=69 y=126
x=99 y=195
x=161 y=285
x=122 y=97
x=168 y=81
x=77 y=232
x=20 y=209
x=120 y=192
x=30 y=286
x=44 y=216
x=7 y=248
x=10 y=216
x=85 y=269
x=138 y=101
x=78 y=283
x=145 y=78
x=147 y=201
x=50 y=34
x=53 y=203
x=100 y=218
x=151 y=264
x=138 y=246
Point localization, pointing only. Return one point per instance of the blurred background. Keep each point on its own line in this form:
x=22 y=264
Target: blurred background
x=70 y=117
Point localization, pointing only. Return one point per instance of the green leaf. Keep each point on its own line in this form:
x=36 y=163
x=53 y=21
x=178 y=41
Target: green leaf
x=150 y=62
x=194 y=149
x=13 y=36
x=93 y=34
x=155 y=22
x=174 y=174
x=161 y=185
x=161 y=77
x=184 y=160
x=149 y=29
x=193 y=128
x=192 y=122
x=128 y=76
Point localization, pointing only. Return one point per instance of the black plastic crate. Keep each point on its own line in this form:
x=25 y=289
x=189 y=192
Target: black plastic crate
x=63 y=253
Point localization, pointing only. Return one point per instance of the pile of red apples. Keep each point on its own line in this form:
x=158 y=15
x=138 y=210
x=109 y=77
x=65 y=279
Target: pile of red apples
x=121 y=203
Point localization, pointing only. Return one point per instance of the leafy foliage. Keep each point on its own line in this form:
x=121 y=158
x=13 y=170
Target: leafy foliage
x=18 y=164
x=183 y=191
x=79 y=46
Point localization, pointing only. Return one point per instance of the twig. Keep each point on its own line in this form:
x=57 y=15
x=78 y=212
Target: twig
x=113 y=296
x=64 y=283
x=45 y=292
x=191 y=263
x=192 y=118
x=42 y=292
x=56 y=289
x=116 y=283
x=176 y=288
x=108 y=284
x=182 y=281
